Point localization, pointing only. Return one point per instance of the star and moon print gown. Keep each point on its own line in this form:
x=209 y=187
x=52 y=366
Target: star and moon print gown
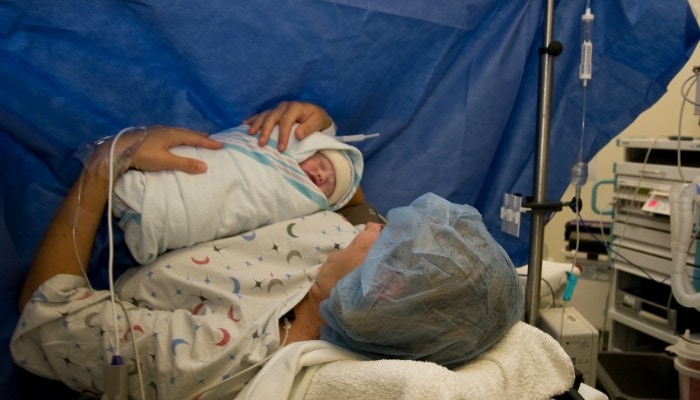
x=201 y=318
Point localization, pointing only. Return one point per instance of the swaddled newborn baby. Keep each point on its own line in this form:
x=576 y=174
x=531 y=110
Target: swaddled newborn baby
x=246 y=186
x=435 y=286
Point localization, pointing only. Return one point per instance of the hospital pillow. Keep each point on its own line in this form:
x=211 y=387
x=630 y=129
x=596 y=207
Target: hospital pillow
x=435 y=287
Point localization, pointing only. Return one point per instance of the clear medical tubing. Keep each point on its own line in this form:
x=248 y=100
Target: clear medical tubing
x=579 y=171
x=681 y=198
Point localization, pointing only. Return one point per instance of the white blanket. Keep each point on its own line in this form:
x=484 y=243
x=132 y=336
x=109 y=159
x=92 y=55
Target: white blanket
x=245 y=187
x=525 y=364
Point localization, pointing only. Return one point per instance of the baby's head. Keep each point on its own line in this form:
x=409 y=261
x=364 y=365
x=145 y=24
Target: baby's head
x=331 y=171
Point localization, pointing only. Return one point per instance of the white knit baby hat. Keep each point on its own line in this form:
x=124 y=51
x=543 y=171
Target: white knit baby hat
x=343 y=174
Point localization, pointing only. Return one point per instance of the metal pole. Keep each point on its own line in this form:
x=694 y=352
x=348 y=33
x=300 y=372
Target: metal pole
x=534 y=272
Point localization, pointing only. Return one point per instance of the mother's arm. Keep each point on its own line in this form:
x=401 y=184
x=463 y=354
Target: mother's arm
x=85 y=203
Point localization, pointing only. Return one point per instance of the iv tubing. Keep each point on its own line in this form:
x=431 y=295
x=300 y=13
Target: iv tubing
x=111 y=239
x=579 y=171
x=127 y=153
x=73 y=235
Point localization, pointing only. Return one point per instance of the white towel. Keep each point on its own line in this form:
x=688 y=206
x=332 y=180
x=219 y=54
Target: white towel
x=525 y=364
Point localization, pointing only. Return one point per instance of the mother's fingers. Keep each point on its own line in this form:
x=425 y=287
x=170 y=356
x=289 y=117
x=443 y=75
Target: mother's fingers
x=184 y=164
x=154 y=153
x=182 y=136
x=309 y=116
x=265 y=122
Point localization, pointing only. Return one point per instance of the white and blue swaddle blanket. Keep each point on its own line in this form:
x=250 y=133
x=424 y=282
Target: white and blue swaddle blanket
x=246 y=186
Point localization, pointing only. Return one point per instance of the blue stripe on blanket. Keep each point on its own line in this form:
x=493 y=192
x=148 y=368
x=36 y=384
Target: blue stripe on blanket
x=267 y=155
x=128 y=216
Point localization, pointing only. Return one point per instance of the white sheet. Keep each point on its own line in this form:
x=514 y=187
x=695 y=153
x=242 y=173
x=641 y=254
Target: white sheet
x=526 y=364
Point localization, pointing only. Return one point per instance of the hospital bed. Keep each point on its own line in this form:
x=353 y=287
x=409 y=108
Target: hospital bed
x=525 y=363
x=73 y=72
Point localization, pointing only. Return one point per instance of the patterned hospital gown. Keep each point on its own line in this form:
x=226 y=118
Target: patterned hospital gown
x=204 y=319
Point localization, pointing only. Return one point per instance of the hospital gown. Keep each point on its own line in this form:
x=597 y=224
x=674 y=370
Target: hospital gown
x=204 y=319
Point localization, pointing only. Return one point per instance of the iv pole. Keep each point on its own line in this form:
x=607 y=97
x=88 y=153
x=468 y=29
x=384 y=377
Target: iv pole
x=549 y=50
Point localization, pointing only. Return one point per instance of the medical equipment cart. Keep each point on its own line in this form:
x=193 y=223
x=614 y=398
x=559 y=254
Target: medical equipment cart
x=645 y=316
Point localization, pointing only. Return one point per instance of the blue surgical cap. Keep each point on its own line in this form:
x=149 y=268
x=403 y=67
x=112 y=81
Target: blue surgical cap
x=434 y=287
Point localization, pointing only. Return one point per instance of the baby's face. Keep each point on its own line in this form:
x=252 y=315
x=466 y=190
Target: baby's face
x=320 y=170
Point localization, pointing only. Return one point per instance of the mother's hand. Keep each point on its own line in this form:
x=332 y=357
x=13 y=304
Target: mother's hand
x=153 y=153
x=310 y=117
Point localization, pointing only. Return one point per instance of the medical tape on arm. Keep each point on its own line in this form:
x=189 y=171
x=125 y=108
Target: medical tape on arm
x=96 y=155
x=95 y=174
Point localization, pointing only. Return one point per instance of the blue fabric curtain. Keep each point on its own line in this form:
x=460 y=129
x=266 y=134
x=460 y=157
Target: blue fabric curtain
x=451 y=85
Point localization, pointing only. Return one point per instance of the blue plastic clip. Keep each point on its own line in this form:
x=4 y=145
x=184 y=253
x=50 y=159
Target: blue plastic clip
x=571 y=281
